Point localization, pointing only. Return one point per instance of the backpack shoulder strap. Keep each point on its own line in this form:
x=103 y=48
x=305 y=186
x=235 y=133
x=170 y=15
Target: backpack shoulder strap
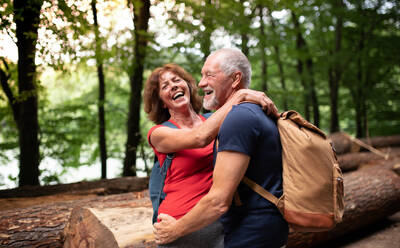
x=169 y=124
x=260 y=190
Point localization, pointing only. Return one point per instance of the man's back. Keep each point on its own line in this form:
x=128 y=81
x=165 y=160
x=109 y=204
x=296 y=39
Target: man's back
x=257 y=222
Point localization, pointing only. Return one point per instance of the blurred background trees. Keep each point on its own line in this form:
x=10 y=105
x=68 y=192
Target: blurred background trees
x=336 y=62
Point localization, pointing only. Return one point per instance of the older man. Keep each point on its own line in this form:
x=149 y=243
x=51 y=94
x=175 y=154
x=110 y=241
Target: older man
x=248 y=144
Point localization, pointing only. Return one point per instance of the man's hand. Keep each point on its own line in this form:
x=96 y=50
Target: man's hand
x=165 y=231
x=260 y=98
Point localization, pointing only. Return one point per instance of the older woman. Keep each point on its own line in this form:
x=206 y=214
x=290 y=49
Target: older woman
x=171 y=94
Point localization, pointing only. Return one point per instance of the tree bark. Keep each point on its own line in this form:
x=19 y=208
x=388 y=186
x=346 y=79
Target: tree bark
x=102 y=95
x=141 y=19
x=370 y=195
x=344 y=145
x=27 y=18
x=352 y=161
x=43 y=225
x=105 y=186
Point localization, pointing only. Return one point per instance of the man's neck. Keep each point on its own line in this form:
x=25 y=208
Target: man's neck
x=229 y=96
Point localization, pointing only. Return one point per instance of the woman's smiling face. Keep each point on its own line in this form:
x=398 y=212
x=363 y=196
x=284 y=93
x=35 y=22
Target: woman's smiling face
x=173 y=90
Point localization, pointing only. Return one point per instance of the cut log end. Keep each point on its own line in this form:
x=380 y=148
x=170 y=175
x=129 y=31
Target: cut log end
x=85 y=230
x=108 y=227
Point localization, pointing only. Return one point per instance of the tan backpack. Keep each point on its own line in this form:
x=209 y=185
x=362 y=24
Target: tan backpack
x=312 y=199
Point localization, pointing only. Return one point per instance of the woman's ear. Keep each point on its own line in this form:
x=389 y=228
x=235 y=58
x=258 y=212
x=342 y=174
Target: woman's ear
x=237 y=80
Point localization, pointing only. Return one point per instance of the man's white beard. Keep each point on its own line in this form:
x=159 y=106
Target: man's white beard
x=210 y=104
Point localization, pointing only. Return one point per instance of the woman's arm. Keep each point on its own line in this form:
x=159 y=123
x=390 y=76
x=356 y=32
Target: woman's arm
x=167 y=140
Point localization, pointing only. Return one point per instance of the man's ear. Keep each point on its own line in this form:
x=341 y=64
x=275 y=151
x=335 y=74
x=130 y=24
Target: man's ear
x=237 y=80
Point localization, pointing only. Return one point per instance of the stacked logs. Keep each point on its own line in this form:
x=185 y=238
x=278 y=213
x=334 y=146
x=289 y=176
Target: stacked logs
x=351 y=154
x=371 y=193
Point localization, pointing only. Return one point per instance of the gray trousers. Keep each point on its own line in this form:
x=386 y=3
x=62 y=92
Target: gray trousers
x=211 y=236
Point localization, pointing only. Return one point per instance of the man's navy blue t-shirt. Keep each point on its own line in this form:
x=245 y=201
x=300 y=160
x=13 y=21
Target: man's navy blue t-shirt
x=257 y=222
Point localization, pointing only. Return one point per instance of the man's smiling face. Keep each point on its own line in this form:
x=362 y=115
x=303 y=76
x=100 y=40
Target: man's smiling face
x=215 y=84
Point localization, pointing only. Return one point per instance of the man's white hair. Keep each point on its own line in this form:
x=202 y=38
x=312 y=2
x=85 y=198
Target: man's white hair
x=232 y=60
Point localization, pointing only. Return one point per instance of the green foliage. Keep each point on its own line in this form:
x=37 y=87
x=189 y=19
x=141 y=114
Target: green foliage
x=367 y=60
x=8 y=135
x=70 y=127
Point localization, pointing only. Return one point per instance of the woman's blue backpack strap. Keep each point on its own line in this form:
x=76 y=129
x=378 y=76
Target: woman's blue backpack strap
x=158 y=174
x=206 y=115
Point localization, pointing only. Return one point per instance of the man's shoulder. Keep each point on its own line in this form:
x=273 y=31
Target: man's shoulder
x=246 y=109
x=248 y=105
x=241 y=113
x=250 y=112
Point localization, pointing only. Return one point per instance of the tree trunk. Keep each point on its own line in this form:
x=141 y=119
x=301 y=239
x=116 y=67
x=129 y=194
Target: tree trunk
x=358 y=97
x=307 y=80
x=313 y=93
x=205 y=41
x=27 y=18
x=370 y=195
x=278 y=58
x=105 y=186
x=333 y=98
x=102 y=96
x=343 y=144
x=335 y=71
x=264 y=63
x=245 y=22
x=303 y=82
x=141 y=19
x=352 y=161
x=43 y=225
x=4 y=76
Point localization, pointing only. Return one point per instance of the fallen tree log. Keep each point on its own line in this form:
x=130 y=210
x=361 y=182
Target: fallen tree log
x=343 y=144
x=100 y=187
x=351 y=161
x=371 y=194
x=43 y=225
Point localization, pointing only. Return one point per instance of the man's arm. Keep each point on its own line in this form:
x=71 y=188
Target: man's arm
x=230 y=168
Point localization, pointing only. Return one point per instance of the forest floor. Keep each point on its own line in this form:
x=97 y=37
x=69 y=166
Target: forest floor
x=383 y=234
